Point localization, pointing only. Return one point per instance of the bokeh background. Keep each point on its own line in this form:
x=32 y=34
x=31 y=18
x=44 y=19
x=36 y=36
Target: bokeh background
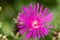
x=9 y=10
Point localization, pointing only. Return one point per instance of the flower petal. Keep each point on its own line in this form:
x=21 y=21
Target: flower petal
x=31 y=9
x=34 y=33
x=22 y=31
x=42 y=34
x=47 y=18
x=26 y=10
x=44 y=31
x=36 y=8
x=38 y=33
x=21 y=17
x=29 y=34
x=41 y=8
x=44 y=11
x=19 y=26
x=49 y=26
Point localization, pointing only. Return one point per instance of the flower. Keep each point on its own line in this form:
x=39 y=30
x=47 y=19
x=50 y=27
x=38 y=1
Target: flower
x=33 y=21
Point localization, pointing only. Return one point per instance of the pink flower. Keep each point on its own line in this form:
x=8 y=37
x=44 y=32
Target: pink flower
x=33 y=21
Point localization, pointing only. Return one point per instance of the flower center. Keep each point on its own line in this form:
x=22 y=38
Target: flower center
x=35 y=24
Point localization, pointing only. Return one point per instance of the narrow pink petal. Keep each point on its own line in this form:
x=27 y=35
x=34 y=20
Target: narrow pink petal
x=19 y=26
x=31 y=9
x=41 y=8
x=44 y=11
x=38 y=33
x=36 y=8
x=44 y=31
x=26 y=10
x=29 y=34
x=47 y=30
x=34 y=33
x=47 y=18
x=42 y=34
x=49 y=26
x=22 y=17
x=22 y=31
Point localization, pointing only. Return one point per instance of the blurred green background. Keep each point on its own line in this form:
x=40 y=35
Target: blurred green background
x=9 y=10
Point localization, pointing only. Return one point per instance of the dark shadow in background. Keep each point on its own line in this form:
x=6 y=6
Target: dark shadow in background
x=48 y=3
x=4 y=3
x=7 y=1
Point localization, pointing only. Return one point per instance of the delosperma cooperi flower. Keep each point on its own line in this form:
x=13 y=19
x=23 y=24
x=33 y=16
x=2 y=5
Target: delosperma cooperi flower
x=33 y=21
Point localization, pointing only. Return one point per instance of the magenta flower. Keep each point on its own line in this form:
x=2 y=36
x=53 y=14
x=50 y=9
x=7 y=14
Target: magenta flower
x=33 y=21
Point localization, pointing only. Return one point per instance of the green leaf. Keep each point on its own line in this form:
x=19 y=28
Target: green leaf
x=7 y=27
x=48 y=37
x=11 y=38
